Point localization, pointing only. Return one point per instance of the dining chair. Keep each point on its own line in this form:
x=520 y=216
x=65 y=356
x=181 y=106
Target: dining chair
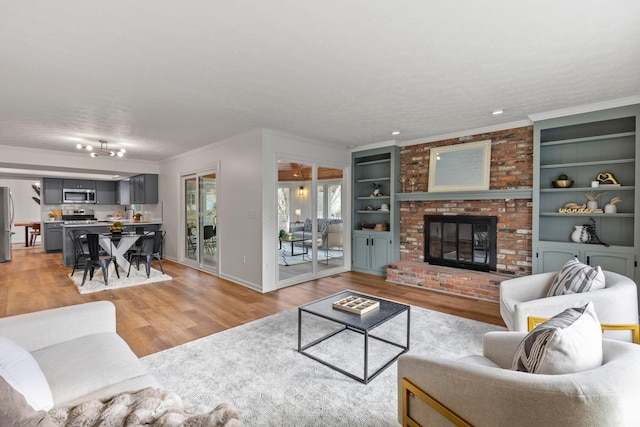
x=34 y=233
x=80 y=249
x=150 y=248
x=209 y=238
x=97 y=260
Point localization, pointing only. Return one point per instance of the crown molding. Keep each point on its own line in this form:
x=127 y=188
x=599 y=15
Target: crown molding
x=587 y=108
x=388 y=143
x=460 y=134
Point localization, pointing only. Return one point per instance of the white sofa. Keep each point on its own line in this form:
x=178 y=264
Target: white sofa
x=79 y=351
x=483 y=391
x=616 y=304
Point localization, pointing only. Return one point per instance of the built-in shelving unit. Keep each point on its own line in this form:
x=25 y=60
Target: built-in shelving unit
x=582 y=147
x=373 y=249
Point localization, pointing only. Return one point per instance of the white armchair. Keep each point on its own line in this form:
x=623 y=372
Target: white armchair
x=483 y=391
x=522 y=297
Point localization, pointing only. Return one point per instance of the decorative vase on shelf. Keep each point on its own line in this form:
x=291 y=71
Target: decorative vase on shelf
x=592 y=204
x=610 y=208
x=576 y=236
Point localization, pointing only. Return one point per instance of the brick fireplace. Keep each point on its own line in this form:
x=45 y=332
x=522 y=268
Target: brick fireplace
x=511 y=168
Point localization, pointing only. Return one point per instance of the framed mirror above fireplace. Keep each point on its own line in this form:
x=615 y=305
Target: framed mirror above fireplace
x=461 y=241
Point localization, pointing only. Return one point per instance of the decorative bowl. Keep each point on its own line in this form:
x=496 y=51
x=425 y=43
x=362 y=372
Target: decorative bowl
x=562 y=183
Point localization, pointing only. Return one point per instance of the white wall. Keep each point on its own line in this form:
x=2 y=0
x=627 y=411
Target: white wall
x=238 y=201
x=26 y=209
x=247 y=189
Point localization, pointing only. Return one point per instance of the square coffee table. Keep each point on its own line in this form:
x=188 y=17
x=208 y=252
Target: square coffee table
x=362 y=324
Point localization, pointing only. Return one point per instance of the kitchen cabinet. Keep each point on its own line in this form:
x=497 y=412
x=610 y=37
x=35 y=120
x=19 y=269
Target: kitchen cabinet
x=144 y=189
x=123 y=196
x=53 y=236
x=375 y=182
x=105 y=193
x=582 y=147
x=52 y=191
x=79 y=183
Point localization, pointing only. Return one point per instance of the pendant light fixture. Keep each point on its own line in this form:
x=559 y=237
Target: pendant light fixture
x=102 y=151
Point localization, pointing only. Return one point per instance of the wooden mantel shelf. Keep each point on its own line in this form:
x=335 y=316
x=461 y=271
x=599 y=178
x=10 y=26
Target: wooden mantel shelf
x=516 y=193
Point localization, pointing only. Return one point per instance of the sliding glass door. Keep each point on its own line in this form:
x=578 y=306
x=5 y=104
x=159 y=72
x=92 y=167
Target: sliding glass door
x=310 y=231
x=201 y=220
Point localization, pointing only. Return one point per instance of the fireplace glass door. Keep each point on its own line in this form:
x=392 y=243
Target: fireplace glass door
x=461 y=241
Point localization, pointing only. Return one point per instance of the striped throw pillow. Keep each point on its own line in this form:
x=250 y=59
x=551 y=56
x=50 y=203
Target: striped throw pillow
x=576 y=277
x=568 y=342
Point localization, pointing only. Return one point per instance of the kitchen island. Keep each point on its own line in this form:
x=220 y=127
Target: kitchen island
x=98 y=227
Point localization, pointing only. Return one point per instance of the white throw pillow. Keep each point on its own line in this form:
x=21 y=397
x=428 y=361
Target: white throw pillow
x=23 y=373
x=576 y=277
x=568 y=342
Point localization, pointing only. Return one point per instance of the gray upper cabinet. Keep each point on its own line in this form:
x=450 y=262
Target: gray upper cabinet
x=105 y=192
x=582 y=147
x=52 y=191
x=79 y=183
x=123 y=195
x=144 y=189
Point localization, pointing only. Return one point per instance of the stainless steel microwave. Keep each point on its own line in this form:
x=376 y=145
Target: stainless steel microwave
x=75 y=195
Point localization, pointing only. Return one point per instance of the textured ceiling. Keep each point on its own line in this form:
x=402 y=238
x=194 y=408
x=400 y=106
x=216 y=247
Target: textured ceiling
x=162 y=77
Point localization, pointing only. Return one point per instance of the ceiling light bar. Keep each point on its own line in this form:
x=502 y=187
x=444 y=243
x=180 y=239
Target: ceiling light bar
x=103 y=150
x=497 y=112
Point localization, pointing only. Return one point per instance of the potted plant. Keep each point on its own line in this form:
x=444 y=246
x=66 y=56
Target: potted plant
x=116 y=227
x=137 y=217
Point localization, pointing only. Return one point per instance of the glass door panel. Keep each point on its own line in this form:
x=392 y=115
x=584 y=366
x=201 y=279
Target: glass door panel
x=201 y=247
x=209 y=223
x=191 y=218
x=310 y=230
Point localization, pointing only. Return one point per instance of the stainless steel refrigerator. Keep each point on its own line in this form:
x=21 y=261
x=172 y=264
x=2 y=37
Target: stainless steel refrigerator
x=6 y=221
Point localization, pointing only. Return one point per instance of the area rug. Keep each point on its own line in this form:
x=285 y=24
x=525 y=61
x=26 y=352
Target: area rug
x=285 y=258
x=137 y=277
x=256 y=368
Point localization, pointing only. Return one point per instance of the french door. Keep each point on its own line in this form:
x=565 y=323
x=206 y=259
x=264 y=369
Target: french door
x=200 y=213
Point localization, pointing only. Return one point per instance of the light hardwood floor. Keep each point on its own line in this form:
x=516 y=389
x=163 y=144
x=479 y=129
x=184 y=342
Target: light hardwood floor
x=194 y=304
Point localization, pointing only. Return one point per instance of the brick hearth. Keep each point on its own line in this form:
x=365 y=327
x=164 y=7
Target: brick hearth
x=473 y=284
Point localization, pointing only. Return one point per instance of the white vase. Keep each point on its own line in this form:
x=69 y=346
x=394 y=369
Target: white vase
x=592 y=204
x=611 y=209
x=576 y=236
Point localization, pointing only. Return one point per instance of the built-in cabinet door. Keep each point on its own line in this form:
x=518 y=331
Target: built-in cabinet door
x=380 y=249
x=52 y=237
x=622 y=263
x=552 y=259
x=105 y=193
x=360 y=252
x=52 y=191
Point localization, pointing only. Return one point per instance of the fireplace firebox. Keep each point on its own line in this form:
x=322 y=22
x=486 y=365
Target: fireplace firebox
x=462 y=241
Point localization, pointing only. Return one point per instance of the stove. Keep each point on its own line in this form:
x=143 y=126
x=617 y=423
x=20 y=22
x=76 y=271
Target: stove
x=79 y=218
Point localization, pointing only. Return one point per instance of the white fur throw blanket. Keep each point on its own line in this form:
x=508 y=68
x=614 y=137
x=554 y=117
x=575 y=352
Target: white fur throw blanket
x=147 y=407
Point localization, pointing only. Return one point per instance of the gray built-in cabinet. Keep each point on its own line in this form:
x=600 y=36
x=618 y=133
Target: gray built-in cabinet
x=372 y=250
x=53 y=236
x=52 y=191
x=142 y=189
x=583 y=146
x=105 y=192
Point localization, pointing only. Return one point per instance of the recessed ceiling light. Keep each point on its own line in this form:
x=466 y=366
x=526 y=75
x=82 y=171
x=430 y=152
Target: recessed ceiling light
x=496 y=112
x=395 y=132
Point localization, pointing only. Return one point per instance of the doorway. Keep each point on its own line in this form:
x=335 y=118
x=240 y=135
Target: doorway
x=310 y=225
x=201 y=247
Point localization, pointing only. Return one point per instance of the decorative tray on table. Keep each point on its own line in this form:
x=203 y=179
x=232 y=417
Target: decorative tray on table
x=357 y=305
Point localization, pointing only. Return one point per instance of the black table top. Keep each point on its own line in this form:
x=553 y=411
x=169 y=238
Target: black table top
x=324 y=308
